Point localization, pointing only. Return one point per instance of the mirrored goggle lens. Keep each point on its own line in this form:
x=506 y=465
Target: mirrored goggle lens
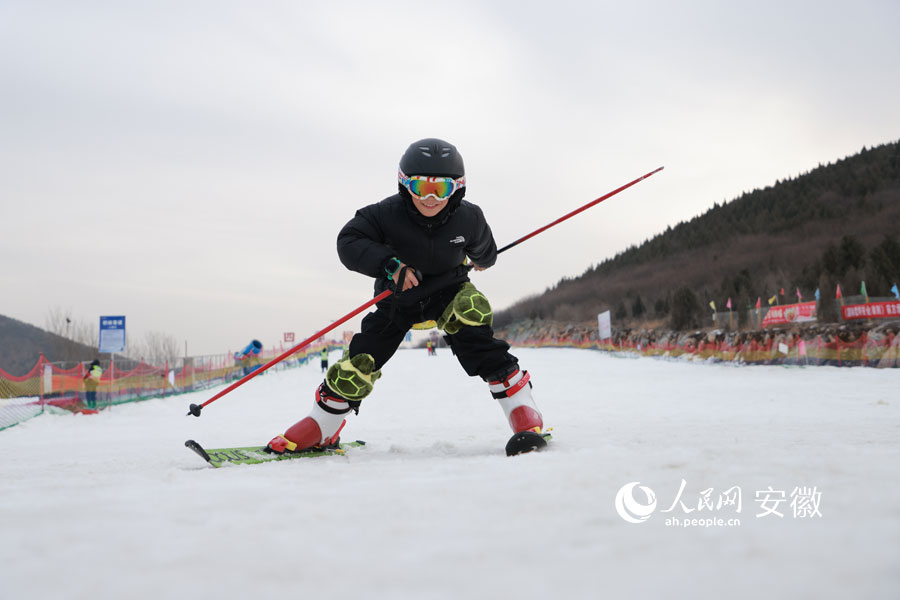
x=439 y=187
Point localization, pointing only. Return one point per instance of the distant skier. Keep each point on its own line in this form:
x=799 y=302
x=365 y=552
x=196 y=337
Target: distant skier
x=248 y=359
x=323 y=355
x=415 y=243
x=91 y=381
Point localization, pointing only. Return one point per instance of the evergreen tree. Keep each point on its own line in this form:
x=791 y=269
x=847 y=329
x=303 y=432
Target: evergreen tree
x=885 y=264
x=637 y=308
x=685 y=309
x=661 y=307
x=851 y=255
x=621 y=312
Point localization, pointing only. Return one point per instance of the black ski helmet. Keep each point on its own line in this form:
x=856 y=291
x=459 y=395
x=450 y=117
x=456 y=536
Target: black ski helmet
x=433 y=157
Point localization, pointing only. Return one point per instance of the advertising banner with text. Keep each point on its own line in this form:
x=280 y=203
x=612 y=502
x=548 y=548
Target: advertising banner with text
x=871 y=310
x=790 y=313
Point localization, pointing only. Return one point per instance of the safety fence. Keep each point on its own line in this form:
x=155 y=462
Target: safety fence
x=877 y=348
x=61 y=387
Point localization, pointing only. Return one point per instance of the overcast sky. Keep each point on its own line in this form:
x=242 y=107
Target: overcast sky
x=189 y=164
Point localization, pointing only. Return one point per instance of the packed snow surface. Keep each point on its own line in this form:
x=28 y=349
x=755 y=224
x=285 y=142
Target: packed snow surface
x=114 y=506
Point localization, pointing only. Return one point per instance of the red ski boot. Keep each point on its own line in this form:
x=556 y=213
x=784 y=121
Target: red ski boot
x=320 y=429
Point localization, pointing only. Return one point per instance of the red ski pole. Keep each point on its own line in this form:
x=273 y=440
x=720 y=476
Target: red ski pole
x=196 y=408
x=578 y=210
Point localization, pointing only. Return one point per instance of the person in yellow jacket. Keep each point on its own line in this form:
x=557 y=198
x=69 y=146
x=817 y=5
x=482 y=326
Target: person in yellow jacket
x=91 y=381
x=324 y=356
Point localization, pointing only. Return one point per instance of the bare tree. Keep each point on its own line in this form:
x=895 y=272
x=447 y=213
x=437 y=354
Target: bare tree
x=155 y=347
x=86 y=332
x=59 y=322
x=76 y=339
x=159 y=347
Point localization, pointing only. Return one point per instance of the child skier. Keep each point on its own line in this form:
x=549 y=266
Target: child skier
x=416 y=243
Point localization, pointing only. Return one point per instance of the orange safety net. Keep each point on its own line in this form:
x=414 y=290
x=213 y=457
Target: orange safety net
x=50 y=386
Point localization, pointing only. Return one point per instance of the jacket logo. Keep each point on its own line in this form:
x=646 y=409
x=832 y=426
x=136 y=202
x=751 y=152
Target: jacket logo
x=458 y=240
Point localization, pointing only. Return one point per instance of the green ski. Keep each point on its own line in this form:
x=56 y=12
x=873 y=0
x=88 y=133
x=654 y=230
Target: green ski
x=252 y=455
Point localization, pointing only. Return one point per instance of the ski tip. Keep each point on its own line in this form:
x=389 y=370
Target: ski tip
x=198 y=449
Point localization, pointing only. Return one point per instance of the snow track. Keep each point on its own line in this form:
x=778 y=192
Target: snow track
x=113 y=505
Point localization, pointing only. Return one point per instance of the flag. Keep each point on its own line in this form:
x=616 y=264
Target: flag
x=773 y=299
x=817 y=294
x=895 y=292
x=729 y=304
x=862 y=290
x=712 y=305
x=758 y=302
x=799 y=296
x=837 y=294
x=782 y=291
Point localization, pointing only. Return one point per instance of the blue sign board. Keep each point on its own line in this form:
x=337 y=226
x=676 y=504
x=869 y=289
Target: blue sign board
x=112 y=334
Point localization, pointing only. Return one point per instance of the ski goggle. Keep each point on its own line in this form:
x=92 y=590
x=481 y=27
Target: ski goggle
x=440 y=188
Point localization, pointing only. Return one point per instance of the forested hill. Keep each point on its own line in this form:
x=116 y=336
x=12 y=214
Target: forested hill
x=837 y=224
x=22 y=344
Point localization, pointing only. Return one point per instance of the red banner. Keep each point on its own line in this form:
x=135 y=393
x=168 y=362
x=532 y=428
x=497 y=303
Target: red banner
x=790 y=313
x=871 y=310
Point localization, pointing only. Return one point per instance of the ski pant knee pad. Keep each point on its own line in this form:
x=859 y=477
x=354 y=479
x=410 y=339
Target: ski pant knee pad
x=353 y=378
x=514 y=394
x=468 y=307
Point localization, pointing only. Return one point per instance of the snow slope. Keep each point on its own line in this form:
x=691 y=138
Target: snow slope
x=113 y=505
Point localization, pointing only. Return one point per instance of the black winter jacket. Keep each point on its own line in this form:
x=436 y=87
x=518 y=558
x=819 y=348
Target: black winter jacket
x=436 y=246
